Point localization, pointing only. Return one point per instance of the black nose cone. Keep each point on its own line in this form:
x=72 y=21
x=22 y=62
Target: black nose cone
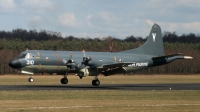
x=15 y=63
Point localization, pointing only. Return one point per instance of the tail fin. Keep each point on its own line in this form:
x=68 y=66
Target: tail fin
x=153 y=45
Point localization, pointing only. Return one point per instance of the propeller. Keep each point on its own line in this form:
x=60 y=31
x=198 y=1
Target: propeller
x=85 y=61
x=70 y=63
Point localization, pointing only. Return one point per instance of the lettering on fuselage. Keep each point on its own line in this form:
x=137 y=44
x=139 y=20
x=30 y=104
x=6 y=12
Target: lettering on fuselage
x=142 y=64
x=29 y=62
x=28 y=59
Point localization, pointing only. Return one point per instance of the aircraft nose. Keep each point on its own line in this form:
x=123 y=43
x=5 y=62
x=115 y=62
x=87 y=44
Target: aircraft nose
x=15 y=63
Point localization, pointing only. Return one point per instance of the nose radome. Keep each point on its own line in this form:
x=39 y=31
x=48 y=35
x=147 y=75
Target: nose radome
x=15 y=63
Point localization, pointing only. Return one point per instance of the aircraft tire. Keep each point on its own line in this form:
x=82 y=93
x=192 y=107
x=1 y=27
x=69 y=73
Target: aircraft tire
x=30 y=80
x=64 y=81
x=95 y=82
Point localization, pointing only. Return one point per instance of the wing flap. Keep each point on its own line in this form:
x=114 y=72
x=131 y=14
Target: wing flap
x=114 y=65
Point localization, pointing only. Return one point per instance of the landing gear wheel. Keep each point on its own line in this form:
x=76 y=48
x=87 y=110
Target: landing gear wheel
x=64 y=81
x=95 y=82
x=30 y=80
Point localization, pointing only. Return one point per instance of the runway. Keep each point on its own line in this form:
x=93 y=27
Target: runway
x=195 y=86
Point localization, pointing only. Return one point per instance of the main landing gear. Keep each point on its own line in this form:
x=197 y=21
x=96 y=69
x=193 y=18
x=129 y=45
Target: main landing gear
x=96 y=81
x=64 y=80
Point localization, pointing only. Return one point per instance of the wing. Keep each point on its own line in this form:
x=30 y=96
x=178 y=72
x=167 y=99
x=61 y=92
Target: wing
x=110 y=69
x=114 y=65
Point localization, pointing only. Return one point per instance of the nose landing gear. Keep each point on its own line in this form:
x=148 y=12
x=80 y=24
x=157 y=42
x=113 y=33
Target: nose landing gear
x=30 y=80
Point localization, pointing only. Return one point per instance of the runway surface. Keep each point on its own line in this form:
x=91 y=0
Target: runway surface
x=104 y=87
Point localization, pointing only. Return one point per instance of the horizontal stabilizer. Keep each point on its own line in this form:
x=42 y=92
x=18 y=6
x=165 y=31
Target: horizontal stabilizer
x=167 y=56
x=172 y=55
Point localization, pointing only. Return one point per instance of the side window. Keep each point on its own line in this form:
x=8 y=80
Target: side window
x=28 y=56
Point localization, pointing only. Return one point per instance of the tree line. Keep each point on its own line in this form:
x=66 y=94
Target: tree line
x=44 y=35
x=13 y=43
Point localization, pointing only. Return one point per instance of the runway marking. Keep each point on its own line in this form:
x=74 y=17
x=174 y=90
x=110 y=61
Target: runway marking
x=162 y=105
x=67 y=107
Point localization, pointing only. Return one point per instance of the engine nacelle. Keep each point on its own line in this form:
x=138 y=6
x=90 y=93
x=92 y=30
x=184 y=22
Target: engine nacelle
x=88 y=72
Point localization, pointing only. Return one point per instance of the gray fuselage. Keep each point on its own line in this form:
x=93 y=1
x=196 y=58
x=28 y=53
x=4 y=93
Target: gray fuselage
x=46 y=61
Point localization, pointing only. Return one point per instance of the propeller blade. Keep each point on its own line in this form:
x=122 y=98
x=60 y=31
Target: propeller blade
x=70 y=63
x=64 y=61
x=71 y=55
x=83 y=52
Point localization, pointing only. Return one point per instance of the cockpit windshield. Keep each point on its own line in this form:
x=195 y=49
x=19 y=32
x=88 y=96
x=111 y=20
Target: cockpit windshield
x=22 y=56
x=28 y=56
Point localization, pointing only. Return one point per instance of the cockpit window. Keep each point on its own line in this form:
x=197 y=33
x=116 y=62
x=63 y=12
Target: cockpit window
x=22 y=56
x=28 y=56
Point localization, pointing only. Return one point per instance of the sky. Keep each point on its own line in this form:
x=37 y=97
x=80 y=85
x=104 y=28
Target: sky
x=101 y=18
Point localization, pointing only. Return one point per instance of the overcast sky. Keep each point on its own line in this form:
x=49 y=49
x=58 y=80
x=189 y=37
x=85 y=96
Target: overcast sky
x=100 y=18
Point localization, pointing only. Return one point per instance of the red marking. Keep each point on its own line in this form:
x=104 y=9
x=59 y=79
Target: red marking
x=58 y=55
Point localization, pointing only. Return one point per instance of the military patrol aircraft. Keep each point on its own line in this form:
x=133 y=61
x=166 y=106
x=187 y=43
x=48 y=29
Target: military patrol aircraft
x=150 y=54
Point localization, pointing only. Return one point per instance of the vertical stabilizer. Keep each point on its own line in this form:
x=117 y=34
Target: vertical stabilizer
x=153 y=45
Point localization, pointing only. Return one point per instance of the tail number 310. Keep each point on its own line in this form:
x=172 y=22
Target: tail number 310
x=29 y=62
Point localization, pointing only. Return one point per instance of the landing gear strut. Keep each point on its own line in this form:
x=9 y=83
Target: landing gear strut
x=96 y=81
